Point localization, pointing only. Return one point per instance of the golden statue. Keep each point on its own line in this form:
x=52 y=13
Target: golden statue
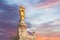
x=22 y=13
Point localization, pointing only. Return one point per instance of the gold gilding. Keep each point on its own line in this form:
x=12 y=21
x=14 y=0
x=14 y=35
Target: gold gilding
x=22 y=13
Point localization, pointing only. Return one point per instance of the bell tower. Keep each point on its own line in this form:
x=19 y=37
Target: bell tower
x=22 y=27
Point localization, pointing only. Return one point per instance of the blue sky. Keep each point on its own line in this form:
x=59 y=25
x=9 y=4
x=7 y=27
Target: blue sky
x=39 y=14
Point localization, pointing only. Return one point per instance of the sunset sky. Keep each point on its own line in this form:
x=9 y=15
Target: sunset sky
x=42 y=16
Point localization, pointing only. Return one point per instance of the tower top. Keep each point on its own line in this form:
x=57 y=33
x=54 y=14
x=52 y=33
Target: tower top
x=22 y=16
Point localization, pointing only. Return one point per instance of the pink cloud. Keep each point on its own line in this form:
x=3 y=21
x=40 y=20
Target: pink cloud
x=12 y=32
x=47 y=4
x=39 y=37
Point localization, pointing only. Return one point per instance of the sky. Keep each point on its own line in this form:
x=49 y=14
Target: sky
x=42 y=16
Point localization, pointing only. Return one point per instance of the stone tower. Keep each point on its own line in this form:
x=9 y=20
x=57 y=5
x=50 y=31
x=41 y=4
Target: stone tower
x=22 y=27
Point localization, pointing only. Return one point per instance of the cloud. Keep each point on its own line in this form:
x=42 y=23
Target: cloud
x=47 y=29
x=48 y=3
x=56 y=22
x=33 y=3
x=40 y=15
x=8 y=20
x=2 y=33
x=11 y=2
x=39 y=37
